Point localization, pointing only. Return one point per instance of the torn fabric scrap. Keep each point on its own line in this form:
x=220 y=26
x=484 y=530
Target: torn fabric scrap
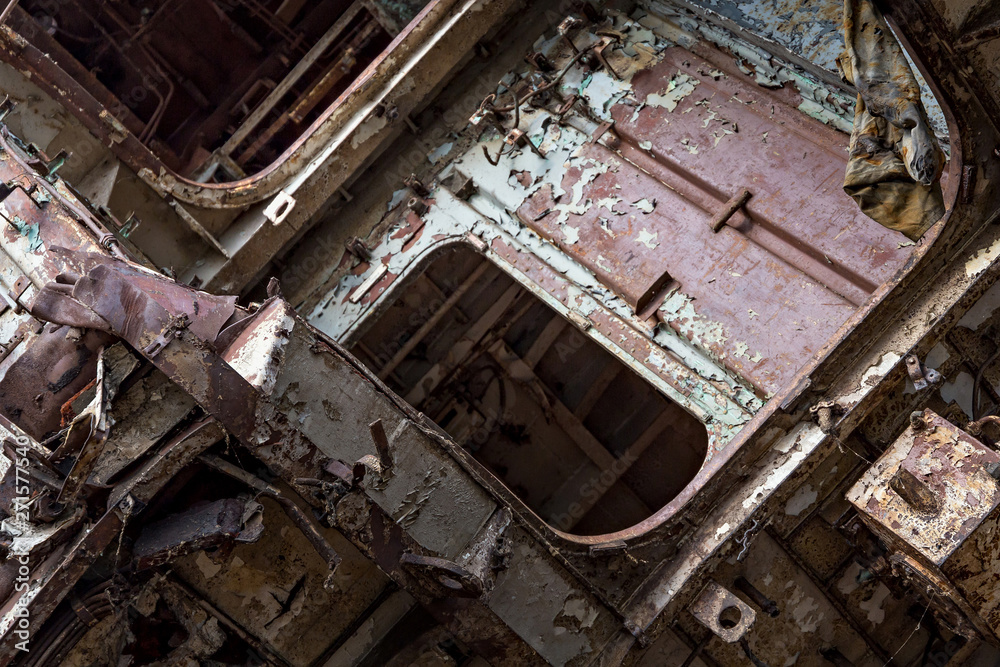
x=895 y=163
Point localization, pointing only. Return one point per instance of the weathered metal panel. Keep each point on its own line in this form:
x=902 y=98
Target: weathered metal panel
x=542 y=604
x=930 y=490
x=768 y=289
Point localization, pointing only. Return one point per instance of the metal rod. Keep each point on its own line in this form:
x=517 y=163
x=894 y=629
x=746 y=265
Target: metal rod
x=729 y=210
x=7 y=10
x=766 y=604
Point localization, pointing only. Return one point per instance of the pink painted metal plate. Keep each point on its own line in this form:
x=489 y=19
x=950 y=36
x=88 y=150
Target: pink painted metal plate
x=770 y=288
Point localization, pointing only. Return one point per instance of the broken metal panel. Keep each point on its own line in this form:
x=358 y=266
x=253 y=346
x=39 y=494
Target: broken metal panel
x=281 y=591
x=334 y=406
x=419 y=496
x=539 y=600
x=206 y=526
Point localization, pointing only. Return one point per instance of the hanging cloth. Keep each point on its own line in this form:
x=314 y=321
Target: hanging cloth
x=895 y=161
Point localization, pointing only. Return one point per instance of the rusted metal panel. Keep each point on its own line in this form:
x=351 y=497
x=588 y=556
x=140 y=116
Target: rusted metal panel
x=768 y=290
x=930 y=490
x=203 y=527
x=934 y=500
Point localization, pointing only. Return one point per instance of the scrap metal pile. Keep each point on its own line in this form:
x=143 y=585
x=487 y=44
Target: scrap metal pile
x=558 y=339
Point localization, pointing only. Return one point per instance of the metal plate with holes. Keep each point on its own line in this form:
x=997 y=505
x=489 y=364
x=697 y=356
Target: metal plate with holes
x=723 y=613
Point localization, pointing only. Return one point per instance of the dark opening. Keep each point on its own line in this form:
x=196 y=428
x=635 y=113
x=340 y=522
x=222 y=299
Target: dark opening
x=730 y=617
x=588 y=444
x=217 y=89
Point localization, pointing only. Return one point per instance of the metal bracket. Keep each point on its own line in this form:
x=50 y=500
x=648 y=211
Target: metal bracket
x=598 y=50
x=380 y=464
x=416 y=185
x=357 y=247
x=10 y=297
x=719 y=610
x=921 y=376
x=441 y=577
x=729 y=210
x=518 y=139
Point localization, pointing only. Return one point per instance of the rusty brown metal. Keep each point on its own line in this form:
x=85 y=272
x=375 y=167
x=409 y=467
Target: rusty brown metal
x=734 y=204
x=933 y=500
x=58 y=363
x=801 y=257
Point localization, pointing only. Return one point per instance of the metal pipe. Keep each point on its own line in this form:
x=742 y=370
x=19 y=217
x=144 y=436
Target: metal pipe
x=766 y=604
x=224 y=619
x=7 y=10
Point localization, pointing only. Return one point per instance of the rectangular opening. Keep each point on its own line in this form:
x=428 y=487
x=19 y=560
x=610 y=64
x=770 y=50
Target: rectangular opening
x=216 y=89
x=584 y=441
